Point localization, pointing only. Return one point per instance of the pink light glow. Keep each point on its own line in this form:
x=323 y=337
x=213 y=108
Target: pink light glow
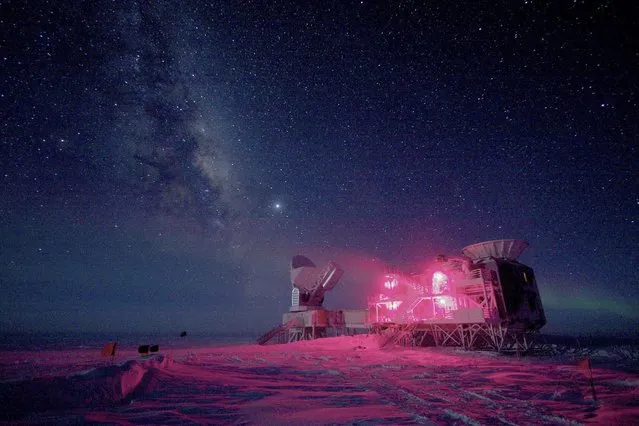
x=446 y=302
x=390 y=281
x=58 y=383
x=440 y=282
x=393 y=305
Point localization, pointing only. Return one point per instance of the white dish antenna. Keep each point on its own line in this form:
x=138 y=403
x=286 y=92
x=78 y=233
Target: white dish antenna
x=303 y=272
x=499 y=249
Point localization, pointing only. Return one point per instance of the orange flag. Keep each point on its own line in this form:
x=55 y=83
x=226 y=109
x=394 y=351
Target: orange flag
x=584 y=365
x=109 y=349
x=586 y=368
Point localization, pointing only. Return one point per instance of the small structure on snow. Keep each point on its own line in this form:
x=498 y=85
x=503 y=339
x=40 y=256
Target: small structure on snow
x=307 y=318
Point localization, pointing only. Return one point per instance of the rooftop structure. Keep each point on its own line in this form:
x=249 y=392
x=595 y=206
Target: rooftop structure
x=497 y=249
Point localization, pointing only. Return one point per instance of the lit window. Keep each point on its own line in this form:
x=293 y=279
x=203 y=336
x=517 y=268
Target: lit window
x=393 y=305
x=390 y=281
x=440 y=282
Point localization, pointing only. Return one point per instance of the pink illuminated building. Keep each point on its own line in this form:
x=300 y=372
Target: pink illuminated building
x=484 y=298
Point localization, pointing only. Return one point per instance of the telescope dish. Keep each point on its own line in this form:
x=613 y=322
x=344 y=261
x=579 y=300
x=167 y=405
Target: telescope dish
x=299 y=261
x=303 y=272
x=498 y=249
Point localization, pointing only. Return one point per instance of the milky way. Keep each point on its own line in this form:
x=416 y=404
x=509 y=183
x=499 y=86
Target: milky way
x=145 y=148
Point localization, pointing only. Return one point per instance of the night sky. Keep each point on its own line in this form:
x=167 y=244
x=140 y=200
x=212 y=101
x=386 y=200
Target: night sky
x=161 y=163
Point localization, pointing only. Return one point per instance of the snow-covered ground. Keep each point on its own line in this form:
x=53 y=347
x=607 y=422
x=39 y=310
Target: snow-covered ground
x=342 y=380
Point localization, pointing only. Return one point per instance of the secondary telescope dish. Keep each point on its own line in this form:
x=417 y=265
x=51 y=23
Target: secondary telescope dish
x=498 y=249
x=303 y=272
x=311 y=284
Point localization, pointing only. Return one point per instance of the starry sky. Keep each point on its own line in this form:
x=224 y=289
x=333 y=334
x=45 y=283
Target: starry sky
x=160 y=163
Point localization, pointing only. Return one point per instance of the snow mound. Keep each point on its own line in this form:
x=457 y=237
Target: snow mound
x=101 y=386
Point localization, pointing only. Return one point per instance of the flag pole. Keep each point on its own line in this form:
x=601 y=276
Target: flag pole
x=592 y=381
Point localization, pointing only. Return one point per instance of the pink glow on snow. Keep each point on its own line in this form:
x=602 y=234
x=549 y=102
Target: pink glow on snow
x=341 y=380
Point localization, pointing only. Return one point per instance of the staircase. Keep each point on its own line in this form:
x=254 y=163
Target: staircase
x=396 y=335
x=405 y=310
x=277 y=330
x=481 y=294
